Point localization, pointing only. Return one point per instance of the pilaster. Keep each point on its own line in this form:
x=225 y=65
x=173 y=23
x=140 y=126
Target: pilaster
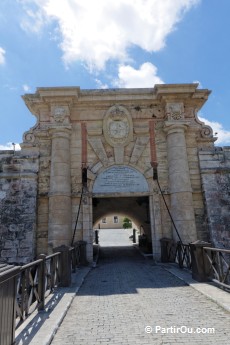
x=179 y=180
x=60 y=188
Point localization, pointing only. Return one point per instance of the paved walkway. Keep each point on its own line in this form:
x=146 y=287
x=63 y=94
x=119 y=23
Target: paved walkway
x=127 y=300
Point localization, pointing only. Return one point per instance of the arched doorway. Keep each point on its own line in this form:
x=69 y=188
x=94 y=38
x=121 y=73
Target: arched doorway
x=135 y=208
x=123 y=190
x=110 y=209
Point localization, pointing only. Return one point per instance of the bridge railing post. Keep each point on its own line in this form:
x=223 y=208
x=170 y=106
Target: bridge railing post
x=166 y=246
x=200 y=270
x=96 y=237
x=179 y=254
x=134 y=235
x=65 y=265
x=42 y=282
x=82 y=246
x=8 y=293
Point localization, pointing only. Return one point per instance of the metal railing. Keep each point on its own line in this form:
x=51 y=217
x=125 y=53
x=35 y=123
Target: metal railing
x=176 y=252
x=26 y=290
x=183 y=255
x=219 y=265
x=35 y=282
x=206 y=263
x=8 y=277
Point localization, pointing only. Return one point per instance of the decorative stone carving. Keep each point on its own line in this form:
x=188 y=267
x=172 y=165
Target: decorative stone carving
x=44 y=183
x=206 y=132
x=44 y=163
x=60 y=114
x=118 y=126
x=175 y=111
x=29 y=137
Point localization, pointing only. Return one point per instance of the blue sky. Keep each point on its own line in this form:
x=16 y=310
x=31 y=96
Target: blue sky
x=107 y=44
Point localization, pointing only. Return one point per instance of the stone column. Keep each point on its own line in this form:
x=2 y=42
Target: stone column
x=60 y=189
x=179 y=181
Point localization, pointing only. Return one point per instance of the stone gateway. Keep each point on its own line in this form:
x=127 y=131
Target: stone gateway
x=119 y=136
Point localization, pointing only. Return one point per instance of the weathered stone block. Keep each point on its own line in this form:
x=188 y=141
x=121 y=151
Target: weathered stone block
x=8 y=253
x=25 y=253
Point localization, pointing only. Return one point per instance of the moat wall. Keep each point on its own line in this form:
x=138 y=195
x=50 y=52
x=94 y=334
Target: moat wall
x=18 y=204
x=215 y=173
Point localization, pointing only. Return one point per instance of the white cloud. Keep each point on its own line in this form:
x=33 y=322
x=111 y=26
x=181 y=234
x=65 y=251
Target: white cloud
x=200 y=86
x=145 y=76
x=100 y=85
x=2 y=56
x=26 y=87
x=9 y=146
x=97 y=31
x=222 y=134
x=34 y=19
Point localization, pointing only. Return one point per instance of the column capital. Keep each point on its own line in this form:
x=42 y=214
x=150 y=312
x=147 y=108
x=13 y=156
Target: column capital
x=60 y=131
x=176 y=126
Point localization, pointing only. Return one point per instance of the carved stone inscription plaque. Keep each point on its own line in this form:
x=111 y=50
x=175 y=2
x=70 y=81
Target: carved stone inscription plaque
x=120 y=179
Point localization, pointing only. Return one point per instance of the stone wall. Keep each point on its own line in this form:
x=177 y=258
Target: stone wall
x=18 y=204
x=215 y=175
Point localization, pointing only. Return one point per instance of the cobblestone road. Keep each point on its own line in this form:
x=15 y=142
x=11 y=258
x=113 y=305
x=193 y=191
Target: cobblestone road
x=125 y=293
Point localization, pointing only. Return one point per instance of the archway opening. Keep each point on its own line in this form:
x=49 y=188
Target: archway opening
x=108 y=218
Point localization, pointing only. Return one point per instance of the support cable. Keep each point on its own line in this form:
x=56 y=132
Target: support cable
x=78 y=213
x=155 y=177
x=84 y=185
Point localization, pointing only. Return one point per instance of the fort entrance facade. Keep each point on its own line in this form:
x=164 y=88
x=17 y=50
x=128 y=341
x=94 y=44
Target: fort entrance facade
x=104 y=149
x=120 y=137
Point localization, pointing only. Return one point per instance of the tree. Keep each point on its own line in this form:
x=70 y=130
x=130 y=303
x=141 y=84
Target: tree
x=127 y=223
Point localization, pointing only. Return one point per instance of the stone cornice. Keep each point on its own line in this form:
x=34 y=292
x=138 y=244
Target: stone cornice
x=48 y=96
x=181 y=90
x=181 y=93
x=33 y=103
x=48 y=93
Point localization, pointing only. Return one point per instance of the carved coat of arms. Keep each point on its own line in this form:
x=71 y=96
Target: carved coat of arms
x=175 y=111
x=117 y=126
